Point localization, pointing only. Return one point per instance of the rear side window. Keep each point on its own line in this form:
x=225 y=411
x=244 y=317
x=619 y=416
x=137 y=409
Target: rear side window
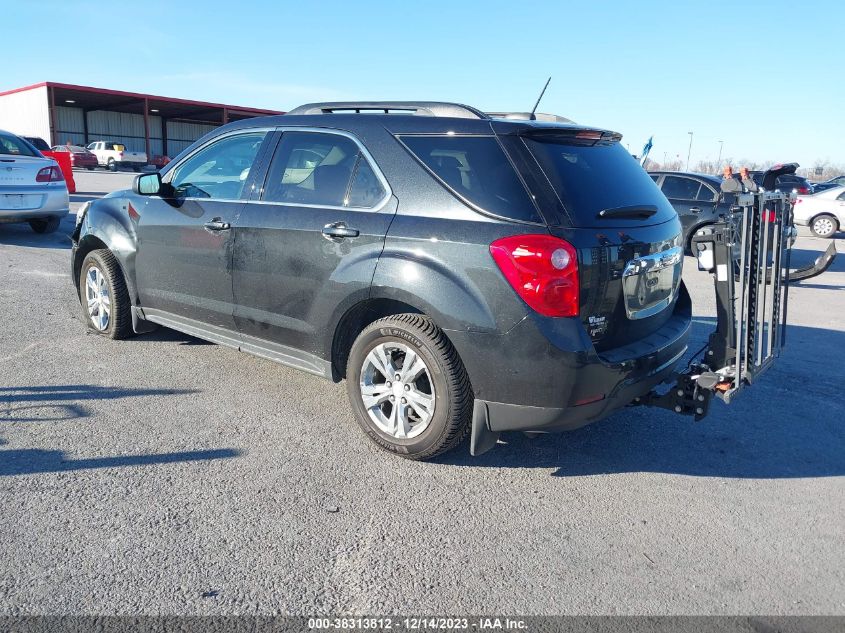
x=706 y=194
x=477 y=170
x=322 y=169
x=15 y=146
x=680 y=188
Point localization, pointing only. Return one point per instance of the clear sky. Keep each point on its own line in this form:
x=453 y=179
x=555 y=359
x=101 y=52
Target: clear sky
x=764 y=77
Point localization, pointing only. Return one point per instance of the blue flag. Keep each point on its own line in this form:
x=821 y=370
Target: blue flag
x=646 y=150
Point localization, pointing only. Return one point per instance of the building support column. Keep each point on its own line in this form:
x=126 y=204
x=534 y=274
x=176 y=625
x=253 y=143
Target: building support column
x=147 y=128
x=225 y=116
x=164 y=137
x=85 y=125
x=54 y=128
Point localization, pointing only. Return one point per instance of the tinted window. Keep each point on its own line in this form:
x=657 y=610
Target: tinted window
x=680 y=188
x=591 y=177
x=366 y=189
x=841 y=196
x=706 y=194
x=10 y=144
x=655 y=177
x=38 y=143
x=219 y=170
x=475 y=168
x=311 y=168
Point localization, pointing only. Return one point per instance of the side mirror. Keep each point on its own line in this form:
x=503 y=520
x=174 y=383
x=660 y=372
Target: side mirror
x=147 y=184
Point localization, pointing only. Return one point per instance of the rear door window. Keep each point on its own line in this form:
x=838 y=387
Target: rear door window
x=706 y=194
x=316 y=168
x=477 y=170
x=15 y=146
x=680 y=188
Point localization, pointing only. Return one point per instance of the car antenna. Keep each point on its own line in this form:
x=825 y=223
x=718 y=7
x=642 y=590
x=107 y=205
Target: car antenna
x=533 y=118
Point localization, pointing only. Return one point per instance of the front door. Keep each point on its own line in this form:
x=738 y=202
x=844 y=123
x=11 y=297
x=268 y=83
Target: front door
x=184 y=259
x=307 y=244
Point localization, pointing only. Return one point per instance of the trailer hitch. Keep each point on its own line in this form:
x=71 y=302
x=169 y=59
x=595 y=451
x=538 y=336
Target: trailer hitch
x=748 y=253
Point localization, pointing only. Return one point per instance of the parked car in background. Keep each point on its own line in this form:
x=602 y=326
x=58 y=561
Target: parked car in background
x=38 y=143
x=695 y=197
x=113 y=155
x=159 y=161
x=463 y=273
x=32 y=187
x=79 y=156
x=786 y=183
x=823 y=212
x=818 y=187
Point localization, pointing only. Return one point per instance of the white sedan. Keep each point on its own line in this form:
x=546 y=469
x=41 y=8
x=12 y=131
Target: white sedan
x=32 y=187
x=823 y=212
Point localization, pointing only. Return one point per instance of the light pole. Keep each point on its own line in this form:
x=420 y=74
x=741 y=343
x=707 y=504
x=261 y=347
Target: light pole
x=719 y=160
x=689 y=151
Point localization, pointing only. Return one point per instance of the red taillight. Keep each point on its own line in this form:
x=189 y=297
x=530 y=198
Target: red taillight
x=769 y=216
x=543 y=270
x=49 y=174
x=120 y=154
x=803 y=190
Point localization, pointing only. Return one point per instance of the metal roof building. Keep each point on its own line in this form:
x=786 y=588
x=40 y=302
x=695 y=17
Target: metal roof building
x=59 y=113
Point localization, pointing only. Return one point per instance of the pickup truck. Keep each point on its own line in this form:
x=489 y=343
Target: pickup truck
x=112 y=155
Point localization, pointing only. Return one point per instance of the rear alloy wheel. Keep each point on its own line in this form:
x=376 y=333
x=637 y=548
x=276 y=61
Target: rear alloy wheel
x=408 y=387
x=104 y=297
x=46 y=225
x=111 y=166
x=824 y=226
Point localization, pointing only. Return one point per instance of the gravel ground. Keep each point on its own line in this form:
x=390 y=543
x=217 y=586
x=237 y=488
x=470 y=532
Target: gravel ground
x=163 y=475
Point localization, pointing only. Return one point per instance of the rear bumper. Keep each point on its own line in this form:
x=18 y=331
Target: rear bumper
x=38 y=202
x=545 y=375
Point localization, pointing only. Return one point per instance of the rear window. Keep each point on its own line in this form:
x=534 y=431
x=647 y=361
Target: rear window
x=15 y=146
x=39 y=143
x=592 y=178
x=477 y=170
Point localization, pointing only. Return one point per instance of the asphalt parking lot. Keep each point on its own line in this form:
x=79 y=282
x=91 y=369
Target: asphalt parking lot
x=164 y=475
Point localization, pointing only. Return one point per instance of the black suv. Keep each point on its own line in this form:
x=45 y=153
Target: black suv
x=696 y=197
x=465 y=274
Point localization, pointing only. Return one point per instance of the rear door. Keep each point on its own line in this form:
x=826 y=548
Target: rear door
x=687 y=197
x=184 y=259
x=308 y=241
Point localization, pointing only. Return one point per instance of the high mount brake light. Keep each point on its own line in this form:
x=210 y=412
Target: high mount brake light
x=49 y=174
x=543 y=270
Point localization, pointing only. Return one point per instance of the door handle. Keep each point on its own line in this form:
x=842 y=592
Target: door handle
x=217 y=225
x=695 y=209
x=339 y=230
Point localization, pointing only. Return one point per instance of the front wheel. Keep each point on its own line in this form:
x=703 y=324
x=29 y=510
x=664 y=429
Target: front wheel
x=824 y=226
x=45 y=225
x=408 y=387
x=104 y=297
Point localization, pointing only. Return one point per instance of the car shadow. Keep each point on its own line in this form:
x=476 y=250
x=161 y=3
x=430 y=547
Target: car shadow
x=64 y=402
x=20 y=234
x=35 y=461
x=17 y=404
x=788 y=425
x=165 y=335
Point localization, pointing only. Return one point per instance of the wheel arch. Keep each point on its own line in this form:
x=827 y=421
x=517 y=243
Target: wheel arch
x=107 y=225
x=353 y=322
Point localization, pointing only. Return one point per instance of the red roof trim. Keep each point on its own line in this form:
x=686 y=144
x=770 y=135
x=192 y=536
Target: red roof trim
x=140 y=95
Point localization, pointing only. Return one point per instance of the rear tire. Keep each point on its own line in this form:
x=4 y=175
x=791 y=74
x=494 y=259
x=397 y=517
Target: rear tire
x=435 y=417
x=46 y=225
x=104 y=297
x=824 y=226
x=136 y=168
x=90 y=168
x=111 y=165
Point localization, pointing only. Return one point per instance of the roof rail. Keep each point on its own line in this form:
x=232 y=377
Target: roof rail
x=527 y=116
x=420 y=108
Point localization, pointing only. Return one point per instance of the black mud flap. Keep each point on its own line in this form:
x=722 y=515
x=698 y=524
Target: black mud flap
x=748 y=253
x=482 y=439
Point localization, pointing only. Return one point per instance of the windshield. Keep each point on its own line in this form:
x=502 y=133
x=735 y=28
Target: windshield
x=15 y=146
x=589 y=179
